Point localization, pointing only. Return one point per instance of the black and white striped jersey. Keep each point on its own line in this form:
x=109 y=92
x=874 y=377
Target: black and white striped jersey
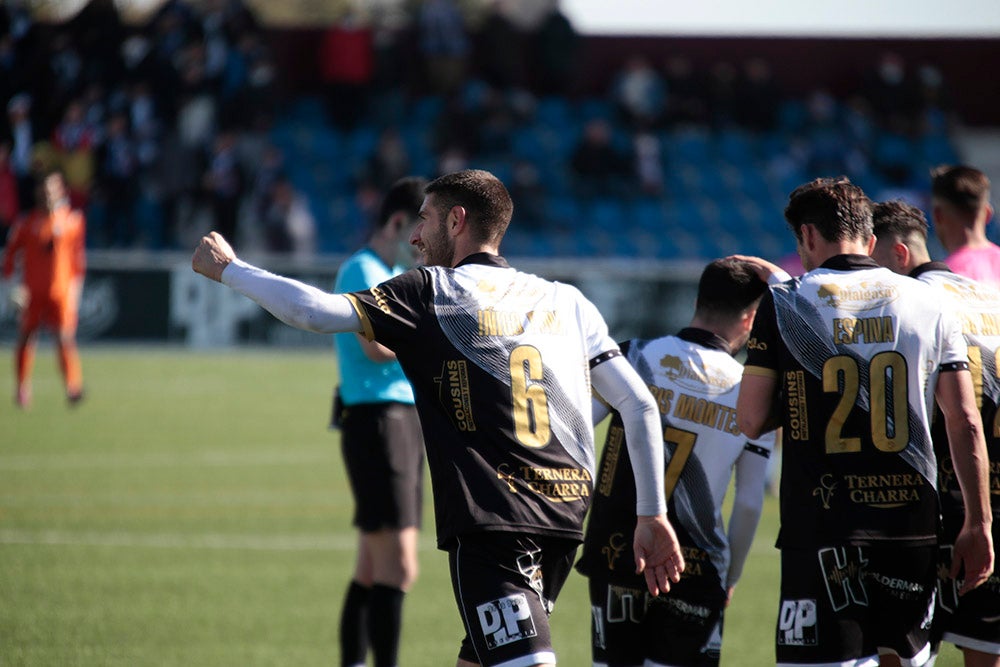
x=978 y=307
x=856 y=351
x=695 y=381
x=500 y=366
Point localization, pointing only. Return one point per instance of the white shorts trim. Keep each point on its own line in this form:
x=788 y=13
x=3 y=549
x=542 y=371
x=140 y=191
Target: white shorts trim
x=540 y=658
x=962 y=641
x=922 y=657
x=867 y=661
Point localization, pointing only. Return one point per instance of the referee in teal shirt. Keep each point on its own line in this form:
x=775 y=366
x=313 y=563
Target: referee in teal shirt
x=382 y=446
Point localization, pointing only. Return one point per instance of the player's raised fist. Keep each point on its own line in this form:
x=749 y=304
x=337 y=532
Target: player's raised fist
x=212 y=255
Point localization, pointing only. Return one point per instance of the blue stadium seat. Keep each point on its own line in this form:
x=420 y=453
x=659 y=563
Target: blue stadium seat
x=688 y=145
x=936 y=149
x=792 y=115
x=308 y=110
x=595 y=107
x=562 y=212
x=648 y=215
x=425 y=110
x=361 y=142
x=735 y=147
x=554 y=111
x=605 y=214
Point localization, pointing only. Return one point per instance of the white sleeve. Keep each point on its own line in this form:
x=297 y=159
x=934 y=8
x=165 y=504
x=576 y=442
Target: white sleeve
x=778 y=277
x=599 y=408
x=620 y=385
x=751 y=480
x=296 y=304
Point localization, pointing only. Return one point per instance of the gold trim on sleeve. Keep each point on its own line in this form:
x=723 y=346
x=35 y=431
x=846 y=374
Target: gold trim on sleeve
x=366 y=324
x=760 y=371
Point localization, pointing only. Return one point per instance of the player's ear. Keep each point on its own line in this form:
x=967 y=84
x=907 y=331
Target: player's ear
x=808 y=232
x=871 y=244
x=902 y=253
x=456 y=220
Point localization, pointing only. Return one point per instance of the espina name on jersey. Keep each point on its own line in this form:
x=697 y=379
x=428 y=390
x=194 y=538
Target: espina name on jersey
x=855 y=350
x=695 y=382
x=500 y=366
x=978 y=309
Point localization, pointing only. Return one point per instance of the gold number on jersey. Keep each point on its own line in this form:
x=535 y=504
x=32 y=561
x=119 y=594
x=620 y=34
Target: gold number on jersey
x=684 y=441
x=886 y=373
x=836 y=370
x=976 y=367
x=530 y=404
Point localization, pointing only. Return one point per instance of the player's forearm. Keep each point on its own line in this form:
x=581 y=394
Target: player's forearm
x=751 y=479
x=743 y=522
x=294 y=303
x=955 y=395
x=969 y=456
x=619 y=384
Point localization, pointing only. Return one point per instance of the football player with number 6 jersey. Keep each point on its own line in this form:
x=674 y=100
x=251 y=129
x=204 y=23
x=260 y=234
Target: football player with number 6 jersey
x=501 y=364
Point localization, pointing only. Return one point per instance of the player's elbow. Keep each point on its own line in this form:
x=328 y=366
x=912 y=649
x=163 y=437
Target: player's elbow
x=964 y=429
x=749 y=424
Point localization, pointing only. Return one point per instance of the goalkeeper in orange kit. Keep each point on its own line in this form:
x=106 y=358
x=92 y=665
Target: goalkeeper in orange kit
x=49 y=242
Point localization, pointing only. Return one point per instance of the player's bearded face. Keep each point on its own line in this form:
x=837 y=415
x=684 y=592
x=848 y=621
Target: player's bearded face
x=439 y=248
x=431 y=237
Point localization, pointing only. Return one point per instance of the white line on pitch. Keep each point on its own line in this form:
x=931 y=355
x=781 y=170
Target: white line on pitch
x=115 y=461
x=177 y=541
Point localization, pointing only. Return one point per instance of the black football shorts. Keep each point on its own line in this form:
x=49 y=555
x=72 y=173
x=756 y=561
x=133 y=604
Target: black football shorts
x=973 y=620
x=844 y=604
x=505 y=585
x=384 y=456
x=681 y=628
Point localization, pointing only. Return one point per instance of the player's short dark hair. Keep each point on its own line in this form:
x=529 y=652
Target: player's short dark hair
x=728 y=287
x=488 y=206
x=899 y=220
x=406 y=195
x=837 y=208
x=965 y=188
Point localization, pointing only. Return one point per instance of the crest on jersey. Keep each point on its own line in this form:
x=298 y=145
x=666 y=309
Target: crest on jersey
x=696 y=379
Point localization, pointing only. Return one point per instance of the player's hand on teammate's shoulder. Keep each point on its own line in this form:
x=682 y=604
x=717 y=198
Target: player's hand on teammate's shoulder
x=657 y=553
x=212 y=256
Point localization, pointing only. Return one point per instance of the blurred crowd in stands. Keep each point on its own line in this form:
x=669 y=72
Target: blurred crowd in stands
x=186 y=123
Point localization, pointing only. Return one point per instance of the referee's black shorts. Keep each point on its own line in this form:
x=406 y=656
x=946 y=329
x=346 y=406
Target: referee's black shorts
x=384 y=456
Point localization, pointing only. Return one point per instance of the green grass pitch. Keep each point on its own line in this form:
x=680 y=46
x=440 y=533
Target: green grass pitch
x=194 y=511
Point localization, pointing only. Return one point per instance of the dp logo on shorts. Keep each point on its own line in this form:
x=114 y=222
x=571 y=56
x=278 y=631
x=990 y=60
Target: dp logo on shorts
x=797 y=623
x=506 y=620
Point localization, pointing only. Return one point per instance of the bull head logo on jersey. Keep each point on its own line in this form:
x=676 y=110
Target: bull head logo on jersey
x=508 y=477
x=825 y=490
x=614 y=548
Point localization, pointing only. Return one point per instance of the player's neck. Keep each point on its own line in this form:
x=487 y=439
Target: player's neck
x=972 y=237
x=384 y=248
x=464 y=250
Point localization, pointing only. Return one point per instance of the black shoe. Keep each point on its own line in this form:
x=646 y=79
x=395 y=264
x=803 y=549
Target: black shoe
x=74 y=397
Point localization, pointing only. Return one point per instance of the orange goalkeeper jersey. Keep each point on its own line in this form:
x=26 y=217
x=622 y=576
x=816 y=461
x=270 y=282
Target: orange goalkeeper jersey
x=52 y=251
